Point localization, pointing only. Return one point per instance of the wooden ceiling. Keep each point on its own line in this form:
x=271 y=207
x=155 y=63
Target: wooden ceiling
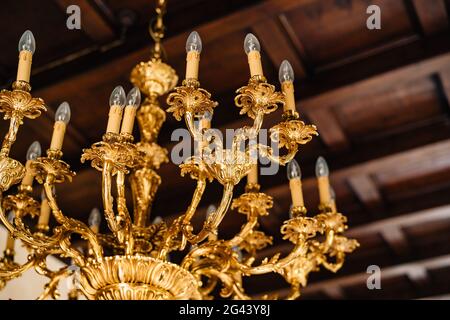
x=380 y=99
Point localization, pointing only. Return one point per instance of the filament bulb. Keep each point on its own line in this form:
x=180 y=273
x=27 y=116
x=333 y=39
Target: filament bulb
x=293 y=170
x=238 y=252
x=27 y=42
x=34 y=151
x=117 y=97
x=157 y=220
x=285 y=73
x=322 y=168
x=134 y=97
x=95 y=218
x=251 y=43
x=194 y=42
x=210 y=210
x=63 y=113
x=11 y=216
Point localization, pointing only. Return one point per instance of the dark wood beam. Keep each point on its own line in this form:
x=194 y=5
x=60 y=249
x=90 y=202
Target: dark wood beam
x=432 y=15
x=396 y=239
x=367 y=192
x=414 y=269
x=92 y=23
x=277 y=45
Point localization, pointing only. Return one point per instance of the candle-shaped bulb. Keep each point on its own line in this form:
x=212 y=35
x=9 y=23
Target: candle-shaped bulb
x=117 y=97
x=63 y=113
x=251 y=43
x=43 y=196
x=293 y=170
x=34 y=151
x=11 y=216
x=321 y=168
x=286 y=73
x=27 y=42
x=238 y=252
x=95 y=218
x=157 y=220
x=210 y=210
x=134 y=97
x=194 y=42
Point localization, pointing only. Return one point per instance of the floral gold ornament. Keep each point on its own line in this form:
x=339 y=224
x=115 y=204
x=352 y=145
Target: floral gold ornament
x=132 y=259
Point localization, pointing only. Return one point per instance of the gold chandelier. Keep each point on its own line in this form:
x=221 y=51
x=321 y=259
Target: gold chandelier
x=131 y=262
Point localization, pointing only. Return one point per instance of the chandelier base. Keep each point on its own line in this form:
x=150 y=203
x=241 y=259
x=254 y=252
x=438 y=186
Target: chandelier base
x=137 y=278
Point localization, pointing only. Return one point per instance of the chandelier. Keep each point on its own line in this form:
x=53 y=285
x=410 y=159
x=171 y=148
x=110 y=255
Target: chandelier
x=131 y=261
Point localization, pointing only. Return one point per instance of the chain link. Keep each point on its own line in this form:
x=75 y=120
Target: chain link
x=157 y=28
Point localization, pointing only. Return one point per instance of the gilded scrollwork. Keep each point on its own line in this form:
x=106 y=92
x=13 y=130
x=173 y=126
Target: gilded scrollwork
x=289 y=134
x=121 y=156
x=11 y=172
x=258 y=97
x=20 y=104
x=189 y=99
x=22 y=204
x=58 y=169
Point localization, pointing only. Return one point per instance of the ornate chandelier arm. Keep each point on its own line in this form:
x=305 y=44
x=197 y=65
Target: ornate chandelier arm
x=69 y=226
x=267 y=151
x=253 y=204
x=13 y=270
x=50 y=289
x=246 y=229
x=295 y=291
x=197 y=196
x=230 y=285
x=10 y=137
x=273 y=264
x=108 y=199
x=16 y=105
x=124 y=219
x=333 y=267
x=190 y=124
x=213 y=220
x=289 y=134
x=20 y=231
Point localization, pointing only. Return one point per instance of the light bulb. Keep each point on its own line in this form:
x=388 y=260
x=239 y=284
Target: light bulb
x=194 y=42
x=95 y=218
x=117 y=97
x=34 y=151
x=293 y=170
x=322 y=168
x=157 y=220
x=251 y=43
x=239 y=252
x=134 y=97
x=11 y=216
x=63 y=113
x=27 y=42
x=210 y=210
x=285 y=73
